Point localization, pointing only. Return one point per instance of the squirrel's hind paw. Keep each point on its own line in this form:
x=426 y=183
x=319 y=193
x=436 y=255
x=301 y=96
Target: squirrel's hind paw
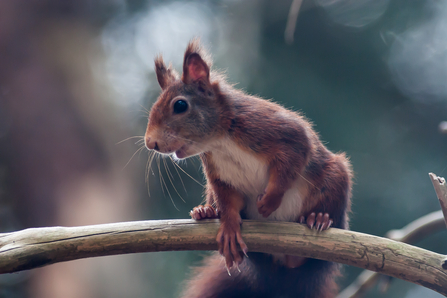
x=320 y=221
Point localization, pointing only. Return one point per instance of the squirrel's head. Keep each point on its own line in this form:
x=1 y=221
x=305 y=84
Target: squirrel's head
x=186 y=115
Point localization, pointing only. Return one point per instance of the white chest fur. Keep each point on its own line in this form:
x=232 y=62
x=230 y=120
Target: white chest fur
x=249 y=175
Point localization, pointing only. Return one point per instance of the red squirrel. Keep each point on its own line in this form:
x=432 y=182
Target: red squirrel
x=261 y=161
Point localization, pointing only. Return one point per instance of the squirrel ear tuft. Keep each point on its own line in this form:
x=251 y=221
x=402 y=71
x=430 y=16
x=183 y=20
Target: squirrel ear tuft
x=196 y=64
x=165 y=75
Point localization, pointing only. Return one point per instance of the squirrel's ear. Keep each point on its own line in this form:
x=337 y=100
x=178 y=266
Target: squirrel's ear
x=165 y=75
x=194 y=66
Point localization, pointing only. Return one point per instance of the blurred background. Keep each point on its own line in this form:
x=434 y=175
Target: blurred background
x=77 y=79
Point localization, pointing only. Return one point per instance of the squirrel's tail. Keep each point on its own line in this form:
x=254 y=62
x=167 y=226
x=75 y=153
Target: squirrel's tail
x=261 y=277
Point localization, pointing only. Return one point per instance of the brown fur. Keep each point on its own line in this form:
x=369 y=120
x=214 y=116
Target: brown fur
x=280 y=140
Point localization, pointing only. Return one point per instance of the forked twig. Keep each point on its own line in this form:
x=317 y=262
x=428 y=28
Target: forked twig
x=441 y=192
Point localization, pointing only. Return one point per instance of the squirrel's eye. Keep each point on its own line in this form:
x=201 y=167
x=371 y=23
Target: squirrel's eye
x=180 y=106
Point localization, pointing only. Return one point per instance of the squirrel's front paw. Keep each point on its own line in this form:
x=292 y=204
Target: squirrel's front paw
x=228 y=237
x=203 y=212
x=267 y=204
x=320 y=221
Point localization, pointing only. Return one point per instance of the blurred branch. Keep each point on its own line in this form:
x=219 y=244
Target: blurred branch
x=441 y=192
x=411 y=233
x=419 y=229
x=291 y=21
x=443 y=127
x=37 y=247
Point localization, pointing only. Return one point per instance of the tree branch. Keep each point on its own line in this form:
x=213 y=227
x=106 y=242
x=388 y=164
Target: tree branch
x=443 y=127
x=411 y=233
x=37 y=247
x=441 y=192
x=291 y=21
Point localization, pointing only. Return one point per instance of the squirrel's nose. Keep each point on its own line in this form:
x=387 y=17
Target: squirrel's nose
x=151 y=144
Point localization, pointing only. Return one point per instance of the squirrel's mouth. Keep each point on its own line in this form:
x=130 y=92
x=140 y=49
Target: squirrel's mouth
x=181 y=153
